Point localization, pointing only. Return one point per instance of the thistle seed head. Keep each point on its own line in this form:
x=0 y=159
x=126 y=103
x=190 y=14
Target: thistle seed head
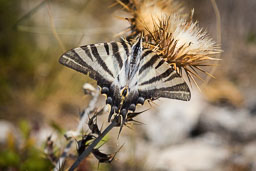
x=171 y=33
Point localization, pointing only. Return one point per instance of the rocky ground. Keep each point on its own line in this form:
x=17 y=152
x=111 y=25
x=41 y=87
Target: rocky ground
x=179 y=136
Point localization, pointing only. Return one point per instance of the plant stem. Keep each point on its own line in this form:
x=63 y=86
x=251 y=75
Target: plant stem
x=93 y=144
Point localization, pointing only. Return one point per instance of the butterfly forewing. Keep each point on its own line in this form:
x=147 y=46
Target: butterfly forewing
x=102 y=61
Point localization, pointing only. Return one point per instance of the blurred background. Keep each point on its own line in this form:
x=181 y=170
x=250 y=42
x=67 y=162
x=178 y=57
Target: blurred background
x=216 y=130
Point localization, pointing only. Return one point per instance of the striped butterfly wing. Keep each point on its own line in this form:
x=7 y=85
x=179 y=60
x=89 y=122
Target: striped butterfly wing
x=108 y=64
x=154 y=78
x=157 y=79
x=101 y=62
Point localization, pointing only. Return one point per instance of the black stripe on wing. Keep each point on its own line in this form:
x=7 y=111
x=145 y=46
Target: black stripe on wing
x=72 y=60
x=150 y=63
x=179 y=92
x=158 y=77
x=159 y=64
x=99 y=59
x=87 y=51
x=146 y=53
x=125 y=46
x=106 y=48
x=172 y=76
x=116 y=54
x=182 y=87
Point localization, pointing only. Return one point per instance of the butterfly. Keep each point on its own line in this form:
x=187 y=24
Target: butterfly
x=127 y=73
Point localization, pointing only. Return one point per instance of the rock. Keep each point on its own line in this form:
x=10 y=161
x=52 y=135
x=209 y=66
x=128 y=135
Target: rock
x=242 y=157
x=196 y=155
x=236 y=124
x=7 y=128
x=171 y=121
x=249 y=152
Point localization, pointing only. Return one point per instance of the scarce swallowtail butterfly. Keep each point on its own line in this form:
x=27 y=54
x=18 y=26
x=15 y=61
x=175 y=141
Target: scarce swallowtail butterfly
x=127 y=73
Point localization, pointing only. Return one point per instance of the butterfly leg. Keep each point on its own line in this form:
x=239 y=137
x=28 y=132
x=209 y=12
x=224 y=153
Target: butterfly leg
x=113 y=110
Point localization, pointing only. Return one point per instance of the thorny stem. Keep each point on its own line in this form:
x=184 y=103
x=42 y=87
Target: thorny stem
x=93 y=144
x=84 y=117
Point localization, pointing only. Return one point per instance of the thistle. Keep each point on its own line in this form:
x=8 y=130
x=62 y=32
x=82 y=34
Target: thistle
x=172 y=34
x=146 y=13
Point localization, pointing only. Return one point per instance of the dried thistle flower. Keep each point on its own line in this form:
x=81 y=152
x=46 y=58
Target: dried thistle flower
x=182 y=44
x=172 y=34
x=146 y=12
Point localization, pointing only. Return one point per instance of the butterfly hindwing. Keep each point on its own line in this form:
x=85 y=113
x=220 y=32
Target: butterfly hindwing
x=158 y=79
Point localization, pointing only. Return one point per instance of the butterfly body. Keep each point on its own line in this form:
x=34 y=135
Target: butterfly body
x=127 y=73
